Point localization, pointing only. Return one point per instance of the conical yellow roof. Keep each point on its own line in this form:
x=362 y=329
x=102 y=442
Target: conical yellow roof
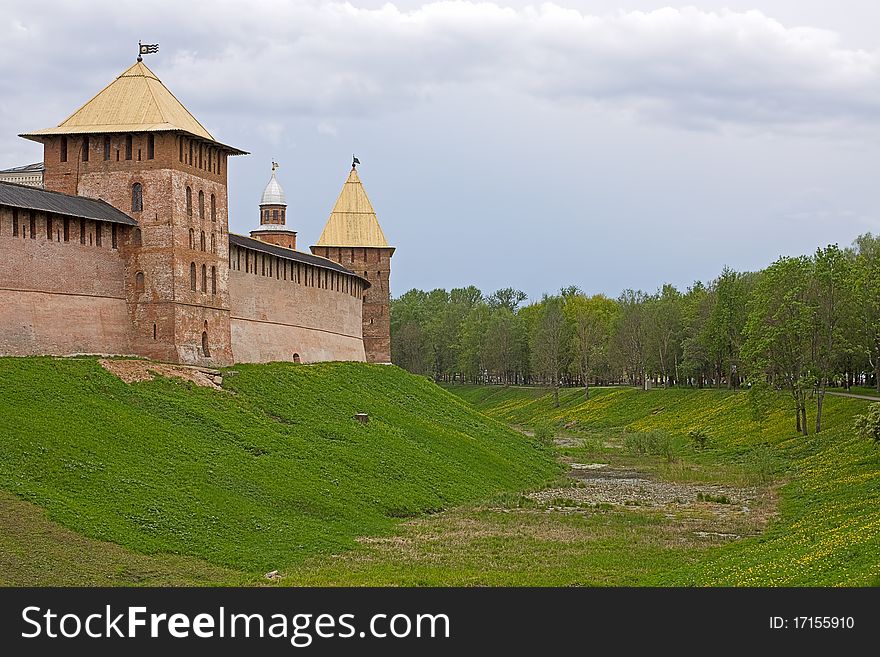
x=353 y=221
x=136 y=101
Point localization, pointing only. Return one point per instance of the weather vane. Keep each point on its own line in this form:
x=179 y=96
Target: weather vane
x=146 y=49
x=275 y=165
x=354 y=162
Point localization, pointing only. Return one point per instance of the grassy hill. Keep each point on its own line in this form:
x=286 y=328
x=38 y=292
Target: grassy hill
x=828 y=529
x=259 y=476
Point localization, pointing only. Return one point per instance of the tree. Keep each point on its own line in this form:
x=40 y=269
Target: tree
x=867 y=299
x=548 y=340
x=631 y=336
x=663 y=313
x=778 y=342
x=832 y=292
x=592 y=320
x=507 y=297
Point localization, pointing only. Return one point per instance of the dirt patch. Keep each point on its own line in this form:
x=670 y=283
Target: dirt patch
x=627 y=487
x=135 y=371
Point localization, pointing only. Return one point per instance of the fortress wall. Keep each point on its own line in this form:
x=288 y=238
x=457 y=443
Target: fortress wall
x=61 y=297
x=273 y=318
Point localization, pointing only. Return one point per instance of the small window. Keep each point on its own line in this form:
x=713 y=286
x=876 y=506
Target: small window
x=213 y=208
x=296 y=358
x=82 y=231
x=190 y=153
x=136 y=237
x=180 y=148
x=66 y=229
x=213 y=280
x=202 y=241
x=98 y=235
x=137 y=197
x=192 y=276
x=114 y=241
x=205 y=350
x=64 y=149
x=189 y=201
x=33 y=226
x=151 y=147
x=106 y=148
x=85 y=149
x=49 y=227
x=128 y=145
x=200 y=156
x=192 y=239
x=213 y=243
x=15 y=223
x=204 y=278
x=139 y=283
x=201 y=204
x=154 y=331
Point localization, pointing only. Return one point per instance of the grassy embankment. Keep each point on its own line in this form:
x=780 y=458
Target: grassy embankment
x=828 y=528
x=165 y=482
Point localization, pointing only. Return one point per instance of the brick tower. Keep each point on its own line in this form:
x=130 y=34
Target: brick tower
x=353 y=238
x=273 y=216
x=137 y=147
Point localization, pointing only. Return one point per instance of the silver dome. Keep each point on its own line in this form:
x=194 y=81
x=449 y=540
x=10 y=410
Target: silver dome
x=273 y=194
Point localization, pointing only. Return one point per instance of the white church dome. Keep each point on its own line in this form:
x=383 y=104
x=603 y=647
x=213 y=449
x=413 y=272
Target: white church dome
x=273 y=194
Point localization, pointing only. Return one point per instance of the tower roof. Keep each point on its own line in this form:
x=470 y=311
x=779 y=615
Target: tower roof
x=136 y=101
x=353 y=222
x=273 y=194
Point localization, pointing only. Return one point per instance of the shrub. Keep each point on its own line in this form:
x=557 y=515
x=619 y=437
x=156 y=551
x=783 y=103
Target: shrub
x=545 y=432
x=699 y=438
x=867 y=425
x=657 y=443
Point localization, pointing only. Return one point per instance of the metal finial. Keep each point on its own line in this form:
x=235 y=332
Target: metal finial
x=275 y=165
x=354 y=162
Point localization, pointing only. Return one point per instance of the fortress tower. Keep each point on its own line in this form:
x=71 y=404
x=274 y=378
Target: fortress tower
x=273 y=220
x=353 y=238
x=135 y=146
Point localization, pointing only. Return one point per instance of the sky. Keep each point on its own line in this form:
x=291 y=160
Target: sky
x=608 y=145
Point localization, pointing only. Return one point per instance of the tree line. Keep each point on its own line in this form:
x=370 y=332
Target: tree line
x=801 y=325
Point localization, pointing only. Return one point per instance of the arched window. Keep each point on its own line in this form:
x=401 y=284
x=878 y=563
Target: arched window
x=106 y=148
x=189 y=201
x=213 y=280
x=192 y=239
x=192 y=276
x=213 y=208
x=139 y=282
x=213 y=243
x=137 y=197
x=205 y=351
x=180 y=148
x=136 y=237
x=204 y=278
x=64 y=149
x=202 y=241
x=85 y=149
x=296 y=358
x=128 y=147
x=154 y=331
x=151 y=146
x=201 y=204
x=274 y=216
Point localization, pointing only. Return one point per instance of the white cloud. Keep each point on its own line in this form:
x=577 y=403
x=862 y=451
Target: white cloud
x=684 y=66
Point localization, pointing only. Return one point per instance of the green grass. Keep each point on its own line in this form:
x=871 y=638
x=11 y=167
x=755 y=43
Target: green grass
x=828 y=531
x=261 y=476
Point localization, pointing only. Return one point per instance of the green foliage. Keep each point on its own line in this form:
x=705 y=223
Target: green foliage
x=545 y=432
x=867 y=425
x=656 y=443
x=256 y=477
x=699 y=438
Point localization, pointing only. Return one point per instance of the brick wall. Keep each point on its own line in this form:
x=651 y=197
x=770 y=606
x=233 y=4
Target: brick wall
x=61 y=297
x=374 y=264
x=276 y=316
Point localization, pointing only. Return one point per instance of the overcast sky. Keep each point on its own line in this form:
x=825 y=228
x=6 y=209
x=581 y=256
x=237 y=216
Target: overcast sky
x=600 y=144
